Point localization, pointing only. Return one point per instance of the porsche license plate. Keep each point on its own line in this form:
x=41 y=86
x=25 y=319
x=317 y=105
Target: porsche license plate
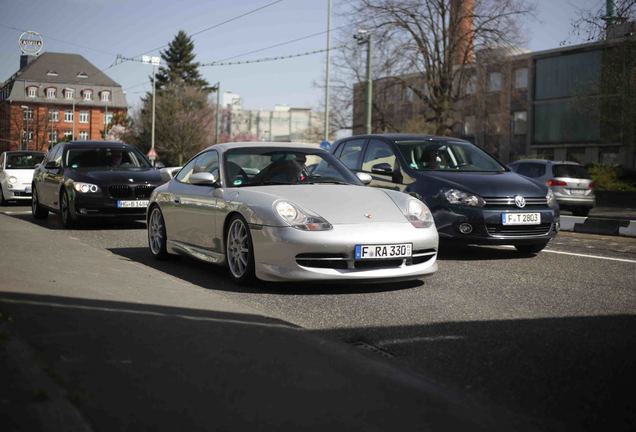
x=132 y=204
x=521 y=218
x=403 y=250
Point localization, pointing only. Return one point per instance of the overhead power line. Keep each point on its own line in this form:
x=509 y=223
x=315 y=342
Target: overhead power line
x=269 y=59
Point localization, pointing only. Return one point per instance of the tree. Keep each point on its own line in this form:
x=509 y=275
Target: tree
x=436 y=40
x=181 y=67
x=591 y=24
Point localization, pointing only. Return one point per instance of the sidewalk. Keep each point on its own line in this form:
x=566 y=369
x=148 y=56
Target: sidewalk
x=602 y=220
x=129 y=348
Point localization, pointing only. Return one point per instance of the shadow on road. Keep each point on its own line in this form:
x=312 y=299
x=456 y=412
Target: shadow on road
x=140 y=367
x=571 y=373
x=452 y=252
x=215 y=277
x=53 y=222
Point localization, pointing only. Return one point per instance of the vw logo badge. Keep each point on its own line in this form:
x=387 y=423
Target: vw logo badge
x=368 y=215
x=520 y=201
x=131 y=180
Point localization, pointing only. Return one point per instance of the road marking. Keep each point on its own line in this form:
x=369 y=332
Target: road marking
x=590 y=256
x=418 y=339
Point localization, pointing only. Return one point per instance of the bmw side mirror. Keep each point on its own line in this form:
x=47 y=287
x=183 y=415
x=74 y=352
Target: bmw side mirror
x=364 y=177
x=382 y=168
x=203 y=179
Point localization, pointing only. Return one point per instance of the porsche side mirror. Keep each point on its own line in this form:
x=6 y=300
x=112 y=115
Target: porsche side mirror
x=382 y=168
x=364 y=177
x=203 y=179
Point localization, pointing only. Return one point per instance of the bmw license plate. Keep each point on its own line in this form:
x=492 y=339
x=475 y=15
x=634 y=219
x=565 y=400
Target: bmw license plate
x=133 y=204
x=521 y=218
x=403 y=250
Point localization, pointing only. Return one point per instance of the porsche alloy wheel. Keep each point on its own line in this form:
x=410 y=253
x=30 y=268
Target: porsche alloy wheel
x=238 y=250
x=157 y=234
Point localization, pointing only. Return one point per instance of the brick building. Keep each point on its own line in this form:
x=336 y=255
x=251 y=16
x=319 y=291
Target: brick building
x=56 y=96
x=576 y=103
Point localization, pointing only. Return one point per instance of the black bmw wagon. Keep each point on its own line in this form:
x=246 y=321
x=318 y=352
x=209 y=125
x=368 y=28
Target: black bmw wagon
x=88 y=179
x=474 y=198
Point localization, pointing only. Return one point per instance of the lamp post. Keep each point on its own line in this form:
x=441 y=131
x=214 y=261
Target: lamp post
x=364 y=37
x=154 y=61
x=326 y=134
x=217 y=128
x=25 y=116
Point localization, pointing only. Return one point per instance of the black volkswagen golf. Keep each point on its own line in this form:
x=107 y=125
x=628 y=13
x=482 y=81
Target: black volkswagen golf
x=474 y=198
x=86 y=179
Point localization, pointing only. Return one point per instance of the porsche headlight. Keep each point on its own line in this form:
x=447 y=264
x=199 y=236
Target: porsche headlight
x=300 y=219
x=13 y=180
x=86 y=188
x=551 y=198
x=454 y=196
x=418 y=214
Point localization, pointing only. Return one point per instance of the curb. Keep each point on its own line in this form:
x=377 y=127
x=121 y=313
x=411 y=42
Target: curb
x=603 y=226
x=53 y=412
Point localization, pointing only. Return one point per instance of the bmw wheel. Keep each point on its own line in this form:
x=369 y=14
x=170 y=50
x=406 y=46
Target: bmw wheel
x=37 y=210
x=157 y=240
x=66 y=216
x=239 y=254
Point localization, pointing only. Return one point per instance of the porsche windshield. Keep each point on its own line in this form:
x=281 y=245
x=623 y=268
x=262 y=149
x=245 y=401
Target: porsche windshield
x=109 y=158
x=433 y=155
x=280 y=166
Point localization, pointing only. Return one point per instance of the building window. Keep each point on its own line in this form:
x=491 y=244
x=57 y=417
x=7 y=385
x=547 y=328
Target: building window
x=28 y=136
x=108 y=118
x=82 y=75
x=494 y=81
x=520 y=123
x=105 y=96
x=68 y=134
x=83 y=135
x=608 y=156
x=32 y=92
x=469 y=126
x=471 y=85
x=54 y=116
x=521 y=78
x=68 y=116
x=88 y=95
x=28 y=114
x=83 y=118
x=53 y=136
x=69 y=93
x=51 y=73
x=50 y=93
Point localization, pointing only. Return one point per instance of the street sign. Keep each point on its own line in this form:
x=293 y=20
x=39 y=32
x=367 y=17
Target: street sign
x=30 y=42
x=152 y=154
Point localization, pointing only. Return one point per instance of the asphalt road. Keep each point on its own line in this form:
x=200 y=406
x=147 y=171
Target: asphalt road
x=551 y=337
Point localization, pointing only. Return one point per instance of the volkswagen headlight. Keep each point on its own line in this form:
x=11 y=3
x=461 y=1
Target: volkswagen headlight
x=85 y=188
x=551 y=198
x=13 y=180
x=454 y=196
x=300 y=219
x=418 y=214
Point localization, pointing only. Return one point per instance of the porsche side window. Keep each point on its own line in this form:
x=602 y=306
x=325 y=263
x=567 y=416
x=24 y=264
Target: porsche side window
x=351 y=153
x=206 y=162
x=185 y=172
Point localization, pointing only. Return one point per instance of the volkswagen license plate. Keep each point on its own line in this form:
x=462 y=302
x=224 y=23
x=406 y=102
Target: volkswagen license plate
x=133 y=204
x=404 y=250
x=521 y=218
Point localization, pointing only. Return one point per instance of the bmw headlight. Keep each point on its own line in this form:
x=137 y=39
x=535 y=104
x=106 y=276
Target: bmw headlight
x=85 y=187
x=13 y=180
x=418 y=214
x=551 y=198
x=454 y=196
x=300 y=219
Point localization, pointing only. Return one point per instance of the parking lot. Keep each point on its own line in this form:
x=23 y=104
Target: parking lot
x=549 y=337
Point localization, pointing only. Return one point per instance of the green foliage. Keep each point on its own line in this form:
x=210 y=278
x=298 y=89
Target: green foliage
x=609 y=178
x=181 y=68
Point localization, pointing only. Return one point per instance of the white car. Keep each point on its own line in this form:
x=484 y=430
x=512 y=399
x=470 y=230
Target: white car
x=16 y=174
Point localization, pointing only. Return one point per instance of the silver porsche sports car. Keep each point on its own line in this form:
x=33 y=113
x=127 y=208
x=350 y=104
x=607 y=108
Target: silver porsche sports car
x=289 y=212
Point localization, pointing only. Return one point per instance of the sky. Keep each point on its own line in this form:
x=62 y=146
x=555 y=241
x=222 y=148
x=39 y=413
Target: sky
x=101 y=29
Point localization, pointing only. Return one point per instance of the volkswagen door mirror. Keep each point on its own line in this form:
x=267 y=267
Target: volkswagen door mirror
x=364 y=177
x=203 y=179
x=382 y=168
